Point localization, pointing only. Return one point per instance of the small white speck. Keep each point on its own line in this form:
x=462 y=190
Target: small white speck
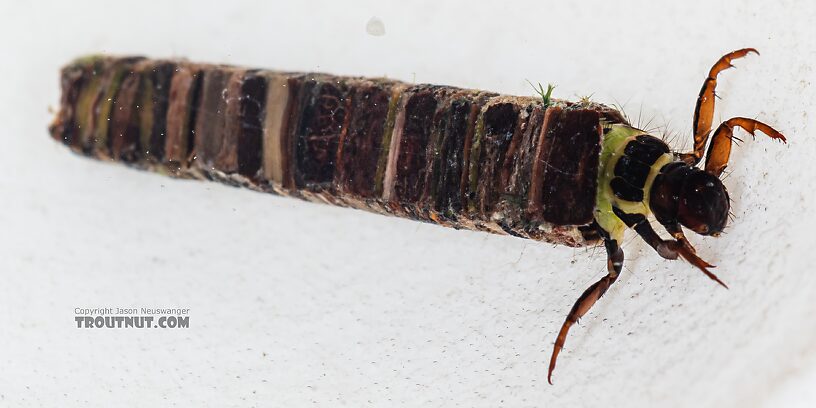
x=375 y=27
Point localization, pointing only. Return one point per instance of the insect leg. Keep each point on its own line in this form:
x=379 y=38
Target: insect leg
x=614 y=264
x=720 y=149
x=640 y=224
x=685 y=250
x=668 y=249
x=704 y=110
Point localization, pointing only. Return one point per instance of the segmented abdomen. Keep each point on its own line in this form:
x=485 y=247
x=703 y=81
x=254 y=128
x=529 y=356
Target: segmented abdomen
x=461 y=158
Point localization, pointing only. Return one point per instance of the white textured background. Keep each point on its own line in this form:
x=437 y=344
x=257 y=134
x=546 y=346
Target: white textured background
x=296 y=304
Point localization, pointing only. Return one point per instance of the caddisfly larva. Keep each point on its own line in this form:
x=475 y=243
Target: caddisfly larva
x=576 y=174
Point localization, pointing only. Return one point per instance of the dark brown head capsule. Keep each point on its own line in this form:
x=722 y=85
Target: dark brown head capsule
x=692 y=197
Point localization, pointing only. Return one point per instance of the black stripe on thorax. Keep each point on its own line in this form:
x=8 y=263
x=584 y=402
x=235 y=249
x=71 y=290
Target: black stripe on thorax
x=633 y=167
x=646 y=149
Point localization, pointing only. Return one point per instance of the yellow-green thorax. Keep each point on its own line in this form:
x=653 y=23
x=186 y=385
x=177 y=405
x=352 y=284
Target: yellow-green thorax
x=616 y=138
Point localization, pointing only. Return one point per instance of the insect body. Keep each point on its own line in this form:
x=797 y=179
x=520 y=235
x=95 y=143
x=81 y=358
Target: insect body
x=576 y=174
